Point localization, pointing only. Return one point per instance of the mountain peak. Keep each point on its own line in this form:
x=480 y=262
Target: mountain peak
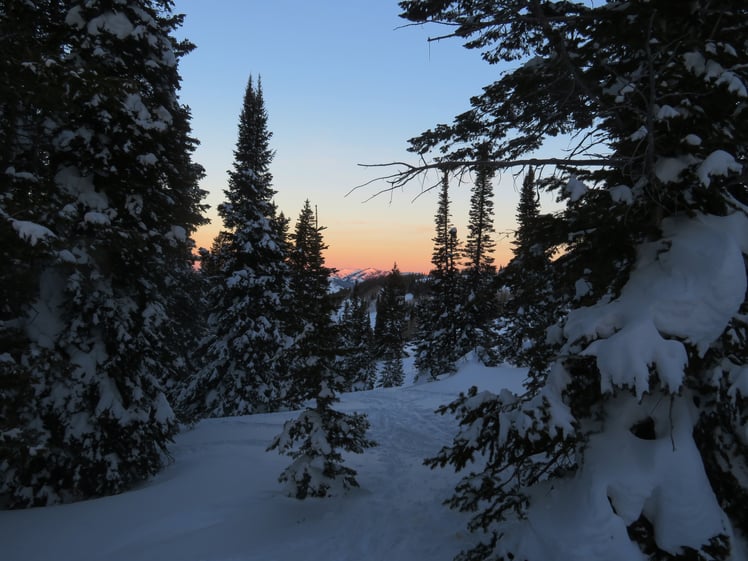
x=345 y=278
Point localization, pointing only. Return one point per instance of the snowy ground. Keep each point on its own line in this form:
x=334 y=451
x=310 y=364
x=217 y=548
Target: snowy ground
x=220 y=500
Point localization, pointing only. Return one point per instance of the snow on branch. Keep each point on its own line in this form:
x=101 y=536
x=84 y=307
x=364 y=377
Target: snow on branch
x=31 y=232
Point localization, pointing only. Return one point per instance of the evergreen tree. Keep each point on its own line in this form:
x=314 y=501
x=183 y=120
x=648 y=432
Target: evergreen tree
x=481 y=303
x=102 y=188
x=357 y=362
x=188 y=310
x=390 y=321
x=393 y=373
x=389 y=329
x=638 y=427
x=321 y=432
x=248 y=274
x=479 y=246
x=311 y=323
x=441 y=320
x=28 y=36
x=529 y=276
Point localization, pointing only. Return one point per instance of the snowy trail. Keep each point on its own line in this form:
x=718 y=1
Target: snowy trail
x=220 y=500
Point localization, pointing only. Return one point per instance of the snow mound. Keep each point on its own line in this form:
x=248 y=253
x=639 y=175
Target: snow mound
x=622 y=478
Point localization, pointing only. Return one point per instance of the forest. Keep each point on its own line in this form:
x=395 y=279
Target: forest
x=626 y=309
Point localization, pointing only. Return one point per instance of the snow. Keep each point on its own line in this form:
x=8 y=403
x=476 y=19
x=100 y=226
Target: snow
x=148 y=159
x=74 y=18
x=666 y=112
x=581 y=288
x=688 y=288
x=621 y=194
x=31 y=232
x=623 y=476
x=44 y=324
x=575 y=188
x=685 y=288
x=734 y=84
x=220 y=500
x=640 y=133
x=712 y=70
x=115 y=23
x=177 y=233
x=98 y=218
x=72 y=182
x=22 y=175
x=668 y=170
x=739 y=383
x=718 y=162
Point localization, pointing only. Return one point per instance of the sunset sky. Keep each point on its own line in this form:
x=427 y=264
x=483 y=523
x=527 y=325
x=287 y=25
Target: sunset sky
x=342 y=86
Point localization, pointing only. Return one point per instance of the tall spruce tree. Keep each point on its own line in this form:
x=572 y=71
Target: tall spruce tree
x=481 y=302
x=311 y=323
x=389 y=329
x=533 y=304
x=357 y=361
x=28 y=37
x=314 y=439
x=102 y=189
x=440 y=315
x=248 y=275
x=638 y=428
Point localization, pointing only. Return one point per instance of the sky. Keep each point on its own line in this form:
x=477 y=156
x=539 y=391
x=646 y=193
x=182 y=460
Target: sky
x=346 y=82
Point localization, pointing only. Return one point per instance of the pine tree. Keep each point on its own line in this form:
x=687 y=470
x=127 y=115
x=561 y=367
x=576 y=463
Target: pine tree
x=389 y=329
x=311 y=323
x=481 y=304
x=247 y=270
x=393 y=373
x=529 y=276
x=320 y=432
x=104 y=149
x=441 y=338
x=28 y=37
x=357 y=362
x=638 y=426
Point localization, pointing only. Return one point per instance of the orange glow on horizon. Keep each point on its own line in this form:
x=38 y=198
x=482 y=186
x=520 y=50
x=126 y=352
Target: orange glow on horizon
x=363 y=246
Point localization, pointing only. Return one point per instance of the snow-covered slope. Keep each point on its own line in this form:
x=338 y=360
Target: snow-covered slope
x=220 y=500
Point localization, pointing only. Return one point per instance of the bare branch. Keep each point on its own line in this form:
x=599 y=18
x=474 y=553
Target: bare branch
x=408 y=172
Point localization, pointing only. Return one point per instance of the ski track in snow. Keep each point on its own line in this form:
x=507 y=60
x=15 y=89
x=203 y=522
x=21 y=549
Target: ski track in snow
x=220 y=499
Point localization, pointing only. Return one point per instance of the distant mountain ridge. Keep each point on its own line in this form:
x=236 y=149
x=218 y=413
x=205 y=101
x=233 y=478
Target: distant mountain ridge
x=345 y=279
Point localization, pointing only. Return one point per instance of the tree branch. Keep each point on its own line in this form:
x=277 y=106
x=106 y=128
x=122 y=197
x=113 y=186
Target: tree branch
x=409 y=172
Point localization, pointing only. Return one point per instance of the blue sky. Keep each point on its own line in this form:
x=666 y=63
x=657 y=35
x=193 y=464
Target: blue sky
x=343 y=85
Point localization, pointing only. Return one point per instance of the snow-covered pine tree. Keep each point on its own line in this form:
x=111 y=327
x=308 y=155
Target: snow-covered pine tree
x=479 y=276
x=440 y=340
x=315 y=438
x=28 y=35
x=357 y=361
x=634 y=446
x=248 y=279
x=97 y=158
x=389 y=329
